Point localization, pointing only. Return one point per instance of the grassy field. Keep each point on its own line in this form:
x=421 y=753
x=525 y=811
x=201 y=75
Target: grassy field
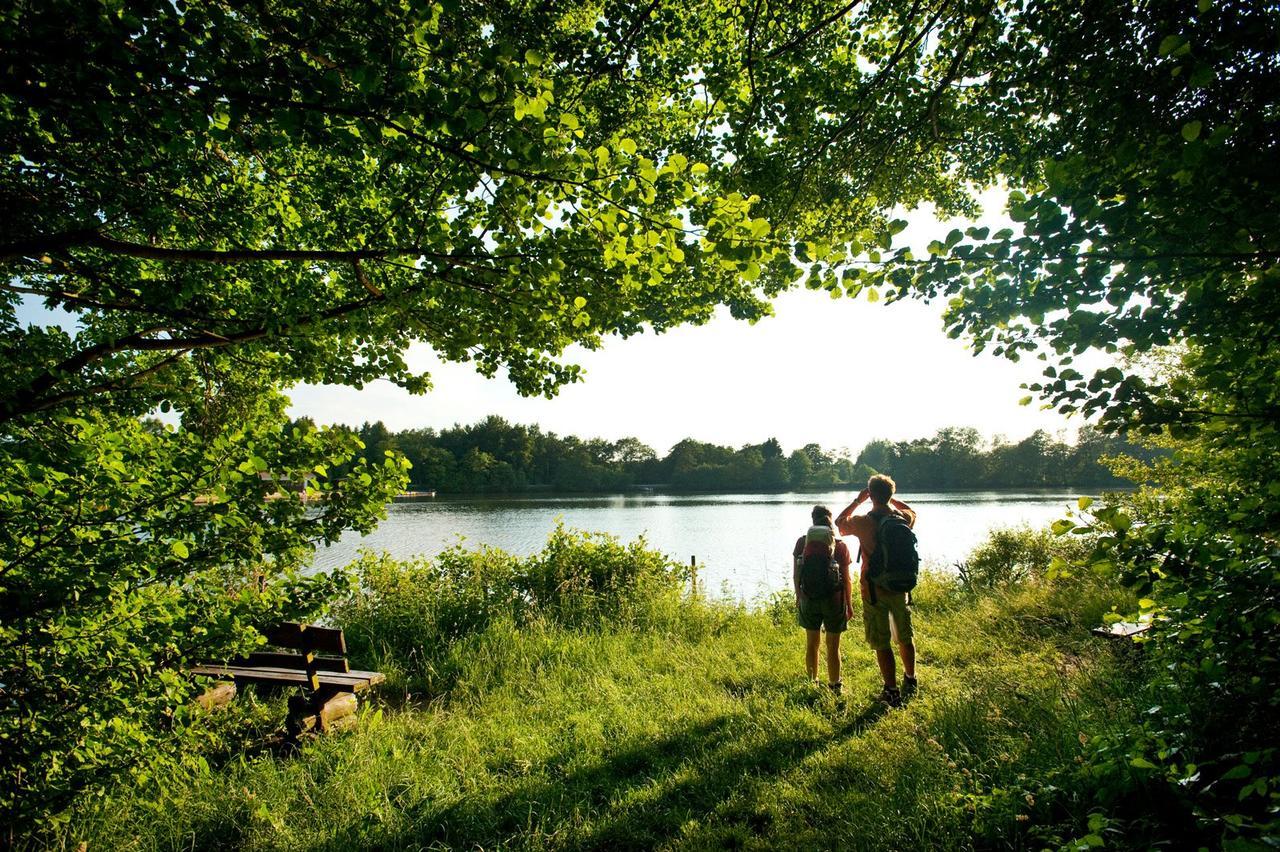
x=695 y=729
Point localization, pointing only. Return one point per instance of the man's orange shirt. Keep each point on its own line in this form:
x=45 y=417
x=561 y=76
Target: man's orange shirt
x=864 y=528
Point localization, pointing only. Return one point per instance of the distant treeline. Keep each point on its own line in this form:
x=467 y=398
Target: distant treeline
x=494 y=456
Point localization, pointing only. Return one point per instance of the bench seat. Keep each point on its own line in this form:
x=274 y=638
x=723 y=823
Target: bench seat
x=1122 y=629
x=354 y=681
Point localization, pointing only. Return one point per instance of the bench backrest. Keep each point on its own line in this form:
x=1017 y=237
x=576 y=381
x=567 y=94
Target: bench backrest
x=307 y=637
x=308 y=642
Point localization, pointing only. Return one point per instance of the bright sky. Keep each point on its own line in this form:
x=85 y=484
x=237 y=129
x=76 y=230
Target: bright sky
x=806 y=375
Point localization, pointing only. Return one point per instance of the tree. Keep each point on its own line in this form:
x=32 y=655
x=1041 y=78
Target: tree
x=799 y=467
x=316 y=189
x=775 y=475
x=129 y=550
x=631 y=451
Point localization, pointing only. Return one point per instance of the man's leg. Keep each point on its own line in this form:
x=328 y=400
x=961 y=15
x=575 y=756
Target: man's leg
x=903 y=636
x=833 y=658
x=884 y=659
x=877 y=626
x=813 y=638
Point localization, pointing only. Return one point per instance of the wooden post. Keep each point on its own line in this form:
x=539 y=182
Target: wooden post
x=693 y=574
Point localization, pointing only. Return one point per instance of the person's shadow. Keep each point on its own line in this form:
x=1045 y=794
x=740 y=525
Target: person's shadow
x=637 y=796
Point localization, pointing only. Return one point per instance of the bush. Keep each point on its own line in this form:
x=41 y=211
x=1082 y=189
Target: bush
x=128 y=551
x=1207 y=742
x=406 y=618
x=1014 y=555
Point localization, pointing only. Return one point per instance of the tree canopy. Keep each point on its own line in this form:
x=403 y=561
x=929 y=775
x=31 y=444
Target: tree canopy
x=494 y=456
x=315 y=189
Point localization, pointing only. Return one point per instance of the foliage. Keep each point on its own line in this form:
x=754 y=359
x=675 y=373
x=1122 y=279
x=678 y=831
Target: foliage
x=1140 y=146
x=494 y=456
x=1011 y=556
x=1144 y=217
x=959 y=458
x=324 y=185
x=414 y=618
x=132 y=549
x=1198 y=548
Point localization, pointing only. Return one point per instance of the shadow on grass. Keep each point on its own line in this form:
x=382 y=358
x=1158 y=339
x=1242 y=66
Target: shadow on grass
x=635 y=797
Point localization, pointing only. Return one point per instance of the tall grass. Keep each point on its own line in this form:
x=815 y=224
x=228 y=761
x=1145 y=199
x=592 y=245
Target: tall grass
x=581 y=699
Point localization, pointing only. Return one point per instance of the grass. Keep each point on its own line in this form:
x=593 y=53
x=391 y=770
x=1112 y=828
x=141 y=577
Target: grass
x=692 y=731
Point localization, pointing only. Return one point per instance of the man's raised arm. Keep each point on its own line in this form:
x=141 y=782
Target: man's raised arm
x=844 y=516
x=907 y=511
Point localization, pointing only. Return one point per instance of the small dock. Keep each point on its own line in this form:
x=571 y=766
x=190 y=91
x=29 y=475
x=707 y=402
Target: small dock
x=413 y=496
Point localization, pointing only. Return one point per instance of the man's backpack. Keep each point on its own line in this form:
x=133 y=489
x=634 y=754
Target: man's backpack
x=819 y=570
x=895 y=564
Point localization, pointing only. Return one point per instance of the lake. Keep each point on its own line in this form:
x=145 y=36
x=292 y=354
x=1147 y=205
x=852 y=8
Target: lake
x=742 y=541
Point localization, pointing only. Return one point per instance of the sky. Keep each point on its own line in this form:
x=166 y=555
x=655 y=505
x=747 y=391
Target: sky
x=836 y=372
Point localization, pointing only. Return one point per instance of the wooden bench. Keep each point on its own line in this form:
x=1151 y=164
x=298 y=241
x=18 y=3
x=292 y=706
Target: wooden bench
x=311 y=657
x=1122 y=629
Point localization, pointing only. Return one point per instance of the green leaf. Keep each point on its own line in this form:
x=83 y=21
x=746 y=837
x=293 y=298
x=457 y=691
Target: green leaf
x=179 y=549
x=1191 y=131
x=1084 y=503
x=534 y=57
x=1169 y=44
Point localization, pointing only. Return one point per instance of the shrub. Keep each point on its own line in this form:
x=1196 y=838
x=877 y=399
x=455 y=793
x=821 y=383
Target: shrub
x=129 y=550
x=405 y=617
x=1013 y=555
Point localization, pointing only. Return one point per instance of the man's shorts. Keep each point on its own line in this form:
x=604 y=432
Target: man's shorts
x=827 y=611
x=875 y=619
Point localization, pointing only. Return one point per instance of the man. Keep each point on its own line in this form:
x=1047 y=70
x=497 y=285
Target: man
x=831 y=611
x=885 y=614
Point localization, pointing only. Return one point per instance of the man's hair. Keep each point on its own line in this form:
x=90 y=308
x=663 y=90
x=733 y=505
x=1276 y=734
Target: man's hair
x=821 y=516
x=881 y=488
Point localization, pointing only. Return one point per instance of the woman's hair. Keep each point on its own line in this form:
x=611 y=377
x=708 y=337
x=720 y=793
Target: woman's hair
x=821 y=516
x=881 y=488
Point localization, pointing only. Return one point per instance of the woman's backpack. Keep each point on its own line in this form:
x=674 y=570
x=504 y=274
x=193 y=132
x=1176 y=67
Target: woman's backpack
x=819 y=570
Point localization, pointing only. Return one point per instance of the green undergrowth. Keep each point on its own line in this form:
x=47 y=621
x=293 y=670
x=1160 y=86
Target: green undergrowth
x=682 y=723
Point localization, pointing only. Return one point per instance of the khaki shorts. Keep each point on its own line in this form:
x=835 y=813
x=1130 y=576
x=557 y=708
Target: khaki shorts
x=825 y=612
x=889 y=606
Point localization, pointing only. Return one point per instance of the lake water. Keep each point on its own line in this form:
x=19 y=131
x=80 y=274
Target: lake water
x=742 y=541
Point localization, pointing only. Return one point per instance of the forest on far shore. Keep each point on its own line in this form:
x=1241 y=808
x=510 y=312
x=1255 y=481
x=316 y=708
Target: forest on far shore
x=494 y=456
